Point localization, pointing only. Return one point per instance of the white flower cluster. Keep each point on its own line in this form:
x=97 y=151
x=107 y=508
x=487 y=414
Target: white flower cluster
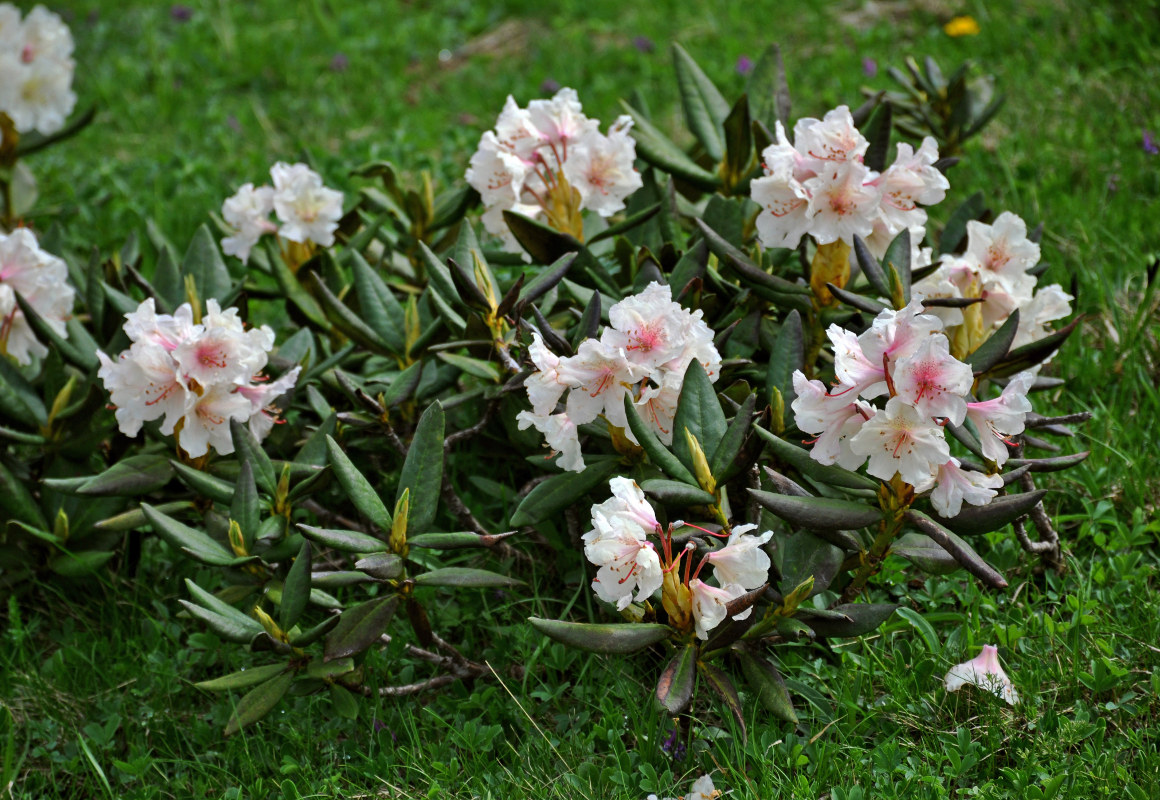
x=196 y=376
x=42 y=280
x=646 y=350
x=306 y=210
x=702 y=789
x=629 y=563
x=995 y=267
x=818 y=186
x=36 y=69
x=520 y=164
x=905 y=356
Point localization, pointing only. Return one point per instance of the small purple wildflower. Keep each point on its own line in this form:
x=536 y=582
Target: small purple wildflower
x=549 y=86
x=674 y=749
x=339 y=63
x=180 y=13
x=744 y=65
x=235 y=126
x=1150 y=145
x=643 y=44
x=869 y=67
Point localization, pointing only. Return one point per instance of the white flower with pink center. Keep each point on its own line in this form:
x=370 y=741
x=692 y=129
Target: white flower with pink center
x=36 y=70
x=832 y=138
x=902 y=441
x=856 y=374
x=897 y=334
x=618 y=544
x=42 y=280
x=842 y=203
x=933 y=381
x=560 y=434
x=742 y=560
x=1003 y=249
x=833 y=418
x=207 y=419
x=955 y=485
x=909 y=181
x=784 y=219
x=599 y=377
x=601 y=168
x=985 y=672
x=308 y=211
x=710 y=605
x=1000 y=419
x=1047 y=305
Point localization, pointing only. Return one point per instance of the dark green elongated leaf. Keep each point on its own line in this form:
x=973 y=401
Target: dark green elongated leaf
x=17 y=502
x=924 y=553
x=956 y=228
x=690 y=267
x=799 y=459
x=469 y=291
x=242 y=678
x=203 y=483
x=442 y=287
x=675 y=686
x=380 y=308
x=343 y=702
x=250 y=449
x=547 y=279
x=403 y=386
x=296 y=589
x=464 y=577
x=222 y=608
x=78 y=565
x=617 y=638
x=960 y=550
x=1049 y=464
x=358 y=488
x=134 y=517
x=1033 y=353
x=738 y=139
x=767 y=89
x=723 y=685
x=203 y=262
x=485 y=370
x=335 y=580
x=871 y=268
x=626 y=224
x=659 y=150
x=863 y=618
x=975 y=520
x=860 y=302
x=422 y=473
x=559 y=492
x=897 y=258
x=33 y=141
x=676 y=492
x=705 y=108
x=360 y=627
x=456 y=541
x=383 y=566
x=589 y=323
x=995 y=348
x=322 y=670
x=244 y=508
x=877 y=131
x=788 y=355
x=348 y=322
x=294 y=292
x=698 y=412
x=347 y=541
x=725 y=455
x=657 y=452
x=85 y=359
x=166 y=280
x=18 y=400
x=312 y=635
x=924 y=628
x=768 y=685
x=193 y=542
x=802 y=556
x=738 y=262
x=225 y=627
x=259 y=702
x=822 y=513
x=543 y=243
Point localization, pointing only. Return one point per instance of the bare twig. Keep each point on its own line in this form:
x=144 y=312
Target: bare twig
x=1035 y=421
x=325 y=515
x=467 y=433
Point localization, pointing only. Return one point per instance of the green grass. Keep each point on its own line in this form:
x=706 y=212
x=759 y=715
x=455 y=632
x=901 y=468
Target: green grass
x=98 y=683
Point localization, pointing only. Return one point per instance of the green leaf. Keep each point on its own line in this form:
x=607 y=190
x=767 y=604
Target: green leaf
x=203 y=483
x=547 y=279
x=799 y=459
x=753 y=275
x=859 y=619
x=675 y=686
x=698 y=412
x=347 y=321
x=442 y=288
x=659 y=150
x=322 y=670
x=485 y=370
x=617 y=638
x=897 y=262
x=358 y=489
x=626 y=224
x=133 y=518
x=380 y=308
x=343 y=702
x=871 y=268
x=869 y=305
x=723 y=686
x=360 y=627
x=222 y=608
x=1054 y=464
x=820 y=513
x=244 y=507
x=16 y=501
x=250 y=449
x=464 y=577
x=877 y=131
x=346 y=541
x=959 y=550
x=767 y=89
x=18 y=400
x=677 y=493
x=924 y=628
x=768 y=685
x=242 y=678
x=82 y=357
x=724 y=458
x=384 y=566
x=312 y=635
x=259 y=702
x=422 y=473
x=1033 y=353
x=295 y=293
x=455 y=541
x=995 y=348
x=296 y=589
x=657 y=452
x=226 y=628
x=78 y=565
x=403 y=385
x=338 y=579
x=925 y=554
x=194 y=543
x=975 y=520
x=560 y=491
x=788 y=355
x=543 y=243
x=956 y=228
x=203 y=262
x=705 y=108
